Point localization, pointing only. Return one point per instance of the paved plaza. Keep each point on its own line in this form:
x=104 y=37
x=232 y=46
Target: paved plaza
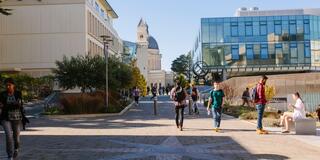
x=140 y=135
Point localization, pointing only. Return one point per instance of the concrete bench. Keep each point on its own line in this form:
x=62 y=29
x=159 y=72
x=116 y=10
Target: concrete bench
x=304 y=126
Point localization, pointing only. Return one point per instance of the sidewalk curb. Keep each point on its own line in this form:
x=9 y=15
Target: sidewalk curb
x=125 y=110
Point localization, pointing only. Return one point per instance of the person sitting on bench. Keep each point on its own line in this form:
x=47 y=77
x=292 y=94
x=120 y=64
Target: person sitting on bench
x=298 y=113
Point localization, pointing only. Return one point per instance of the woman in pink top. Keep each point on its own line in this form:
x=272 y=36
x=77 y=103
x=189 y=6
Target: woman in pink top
x=298 y=113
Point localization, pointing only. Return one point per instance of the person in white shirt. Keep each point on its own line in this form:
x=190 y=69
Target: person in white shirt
x=298 y=112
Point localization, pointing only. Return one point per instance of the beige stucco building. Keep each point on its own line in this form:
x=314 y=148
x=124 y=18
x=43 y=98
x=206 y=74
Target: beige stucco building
x=149 y=57
x=40 y=32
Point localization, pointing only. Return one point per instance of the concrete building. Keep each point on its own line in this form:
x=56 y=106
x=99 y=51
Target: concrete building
x=149 y=57
x=40 y=32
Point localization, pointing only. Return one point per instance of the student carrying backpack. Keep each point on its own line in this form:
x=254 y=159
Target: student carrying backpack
x=178 y=94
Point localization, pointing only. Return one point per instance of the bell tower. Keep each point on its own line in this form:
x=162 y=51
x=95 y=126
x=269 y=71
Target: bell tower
x=142 y=33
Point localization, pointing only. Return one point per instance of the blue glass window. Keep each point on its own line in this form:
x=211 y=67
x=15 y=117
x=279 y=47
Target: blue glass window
x=263 y=28
x=97 y=6
x=264 y=51
x=293 y=50
x=226 y=29
x=307 y=50
x=249 y=49
x=306 y=26
x=234 y=29
x=293 y=28
x=277 y=27
x=278 y=45
x=102 y=13
x=205 y=32
x=249 y=29
x=256 y=30
x=270 y=27
x=242 y=29
x=235 y=52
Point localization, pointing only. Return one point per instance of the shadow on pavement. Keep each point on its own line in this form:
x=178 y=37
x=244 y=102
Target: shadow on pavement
x=125 y=147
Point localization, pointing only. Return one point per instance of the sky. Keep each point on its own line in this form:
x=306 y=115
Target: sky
x=175 y=23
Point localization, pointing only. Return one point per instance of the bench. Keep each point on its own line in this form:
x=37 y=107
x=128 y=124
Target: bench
x=304 y=126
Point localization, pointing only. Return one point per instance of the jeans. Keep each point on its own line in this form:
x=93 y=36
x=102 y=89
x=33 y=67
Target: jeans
x=12 y=132
x=179 y=116
x=260 y=109
x=216 y=114
x=195 y=106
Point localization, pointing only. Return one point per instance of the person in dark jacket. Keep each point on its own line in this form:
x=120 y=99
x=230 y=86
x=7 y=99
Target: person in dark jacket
x=11 y=117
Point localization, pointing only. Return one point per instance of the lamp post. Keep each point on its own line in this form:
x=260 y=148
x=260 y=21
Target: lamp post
x=106 y=39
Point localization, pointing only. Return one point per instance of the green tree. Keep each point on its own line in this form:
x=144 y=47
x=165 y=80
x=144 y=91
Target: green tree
x=86 y=72
x=182 y=65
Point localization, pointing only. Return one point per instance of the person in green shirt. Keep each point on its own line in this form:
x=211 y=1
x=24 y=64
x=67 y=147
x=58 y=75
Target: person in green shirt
x=216 y=101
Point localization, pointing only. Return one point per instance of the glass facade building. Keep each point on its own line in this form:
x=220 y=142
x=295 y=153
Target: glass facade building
x=129 y=51
x=259 y=41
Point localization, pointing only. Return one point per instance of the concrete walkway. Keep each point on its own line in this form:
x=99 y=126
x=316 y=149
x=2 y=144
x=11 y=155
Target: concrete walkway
x=139 y=135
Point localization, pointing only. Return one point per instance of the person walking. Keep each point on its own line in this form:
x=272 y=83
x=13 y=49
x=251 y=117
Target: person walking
x=154 y=91
x=178 y=95
x=168 y=89
x=136 y=95
x=11 y=117
x=260 y=101
x=246 y=97
x=195 y=97
x=216 y=102
x=299 y=112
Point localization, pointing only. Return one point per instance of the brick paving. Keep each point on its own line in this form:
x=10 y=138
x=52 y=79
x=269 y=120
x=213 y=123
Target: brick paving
x=139 y=135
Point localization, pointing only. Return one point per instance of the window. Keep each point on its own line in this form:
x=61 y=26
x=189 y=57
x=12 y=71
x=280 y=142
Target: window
x=234 y=29
x=235 y=52
x=97 y=6
x=226 y=29
x=293 y=50
x=241 y=29
x=306 y=26
x=102 y=13
x=249 y=29
x=249 y=49
x=277 y=27
x=263 y=28
x=256 y=30
x=307 y=50
x=205 y=32
x=264 y=51
x=293 y=28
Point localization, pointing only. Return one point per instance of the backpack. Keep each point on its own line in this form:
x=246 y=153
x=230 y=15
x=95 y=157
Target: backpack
x=254 y=95
x=194 y=94
x=180 y=94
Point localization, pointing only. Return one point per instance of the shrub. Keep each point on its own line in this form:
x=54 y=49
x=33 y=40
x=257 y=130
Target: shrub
x=91 y=103
x=236 y=111
x=53 y=110
x=249 y=116
x=83 y=104
x=253 y=115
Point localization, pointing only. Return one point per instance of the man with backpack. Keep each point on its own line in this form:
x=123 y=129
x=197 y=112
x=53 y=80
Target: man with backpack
x=195 y=98
x=260 y=100
x=216 y=101
x=178 y=95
